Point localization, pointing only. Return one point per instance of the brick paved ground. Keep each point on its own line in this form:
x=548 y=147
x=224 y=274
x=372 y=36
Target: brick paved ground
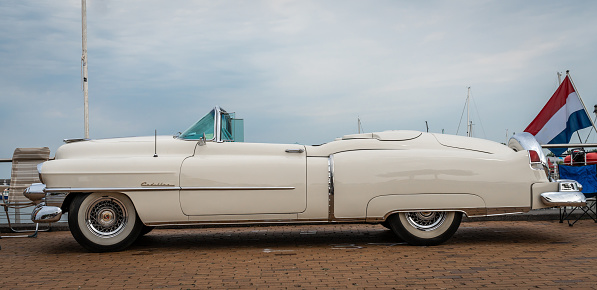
x=497 y=254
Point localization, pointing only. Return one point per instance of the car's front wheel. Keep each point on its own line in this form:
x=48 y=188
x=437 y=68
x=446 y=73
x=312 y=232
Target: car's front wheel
x=104 y=222
x=425 y=228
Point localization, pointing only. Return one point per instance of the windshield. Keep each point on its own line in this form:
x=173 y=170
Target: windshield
x=204 y=125
x=218 y=125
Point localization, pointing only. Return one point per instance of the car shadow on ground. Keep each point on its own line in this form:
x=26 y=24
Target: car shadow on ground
x=270 y=237
x=318 y=237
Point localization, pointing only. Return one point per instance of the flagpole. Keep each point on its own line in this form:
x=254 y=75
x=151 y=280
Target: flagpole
x=581 y=101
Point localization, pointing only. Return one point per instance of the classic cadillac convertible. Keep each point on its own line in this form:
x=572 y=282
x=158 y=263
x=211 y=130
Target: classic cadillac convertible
x=417 y=184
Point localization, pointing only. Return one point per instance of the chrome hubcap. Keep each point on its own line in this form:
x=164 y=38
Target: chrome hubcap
x=426 y=220
x=106 y=217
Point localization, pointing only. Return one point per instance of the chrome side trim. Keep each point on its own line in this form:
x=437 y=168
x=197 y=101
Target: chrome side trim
x=108 y=189
x=331 y=216
x=470 y=212
x=239 y=188
x=159 y=188
x=495 y=211
x=266 y=222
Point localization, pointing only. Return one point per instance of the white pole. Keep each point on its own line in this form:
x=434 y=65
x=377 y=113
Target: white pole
x=84 y=62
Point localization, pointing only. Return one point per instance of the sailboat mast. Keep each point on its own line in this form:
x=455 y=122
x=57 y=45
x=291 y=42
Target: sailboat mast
x=468 y=109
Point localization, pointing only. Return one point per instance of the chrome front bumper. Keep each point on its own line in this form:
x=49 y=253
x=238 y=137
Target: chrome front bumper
x=569 y=194
x=42 y=213
x=46 y=214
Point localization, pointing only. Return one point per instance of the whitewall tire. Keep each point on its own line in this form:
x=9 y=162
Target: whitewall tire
x=104 y=222
x=425 y=228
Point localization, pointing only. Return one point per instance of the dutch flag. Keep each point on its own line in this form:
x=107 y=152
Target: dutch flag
x=563 y=115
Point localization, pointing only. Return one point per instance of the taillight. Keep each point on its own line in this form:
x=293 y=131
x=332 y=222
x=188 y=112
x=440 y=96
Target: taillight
x=534 y=156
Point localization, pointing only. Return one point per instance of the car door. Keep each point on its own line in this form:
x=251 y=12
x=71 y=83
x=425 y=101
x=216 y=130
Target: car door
x=244 y=178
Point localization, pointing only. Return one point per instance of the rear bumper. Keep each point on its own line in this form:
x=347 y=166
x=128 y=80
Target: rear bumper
x=572 y=198
x=569 y=194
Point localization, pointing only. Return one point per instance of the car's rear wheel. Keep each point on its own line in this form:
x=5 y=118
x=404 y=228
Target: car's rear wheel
x=425 y=228
x=104 y=222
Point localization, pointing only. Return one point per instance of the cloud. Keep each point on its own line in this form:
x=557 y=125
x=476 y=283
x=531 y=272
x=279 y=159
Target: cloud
x=297 y=71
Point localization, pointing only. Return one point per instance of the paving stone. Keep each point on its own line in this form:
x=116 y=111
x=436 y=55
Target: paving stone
x=497 y=254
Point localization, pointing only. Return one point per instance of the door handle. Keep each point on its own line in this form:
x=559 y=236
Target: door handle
x=295 y=150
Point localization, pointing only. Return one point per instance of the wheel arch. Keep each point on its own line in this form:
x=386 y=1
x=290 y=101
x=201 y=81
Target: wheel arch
x=389 y=214
x=381 y=208
x=71 y=196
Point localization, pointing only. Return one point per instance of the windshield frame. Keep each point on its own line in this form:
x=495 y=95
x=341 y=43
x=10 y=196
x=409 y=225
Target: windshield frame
x=219 y=113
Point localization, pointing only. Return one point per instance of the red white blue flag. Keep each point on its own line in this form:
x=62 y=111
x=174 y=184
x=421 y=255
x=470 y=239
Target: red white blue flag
x=563 y=115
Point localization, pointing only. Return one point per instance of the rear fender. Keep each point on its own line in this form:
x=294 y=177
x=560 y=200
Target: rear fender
x=379 y=208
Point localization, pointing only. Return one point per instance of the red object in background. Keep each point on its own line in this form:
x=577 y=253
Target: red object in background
x=591 y=159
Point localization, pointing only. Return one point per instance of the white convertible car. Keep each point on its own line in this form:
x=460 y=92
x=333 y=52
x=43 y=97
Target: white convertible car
x=417 y=184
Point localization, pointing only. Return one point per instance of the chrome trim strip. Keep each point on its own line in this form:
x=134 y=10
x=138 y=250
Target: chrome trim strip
x=331 y=215
x=108 y=189
x=239 y=188
x=270 y=222
x=470 y=212
x=160 y=188
x=496 y=211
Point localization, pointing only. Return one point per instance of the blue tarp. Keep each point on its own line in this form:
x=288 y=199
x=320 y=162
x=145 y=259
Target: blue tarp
x=585 y=175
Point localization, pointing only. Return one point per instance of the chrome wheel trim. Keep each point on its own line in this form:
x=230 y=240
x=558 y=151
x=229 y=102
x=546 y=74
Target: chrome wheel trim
x=427 y=220
x=106 y=217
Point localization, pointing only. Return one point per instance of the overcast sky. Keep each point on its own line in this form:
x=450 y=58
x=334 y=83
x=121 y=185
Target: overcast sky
x=296 y=71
